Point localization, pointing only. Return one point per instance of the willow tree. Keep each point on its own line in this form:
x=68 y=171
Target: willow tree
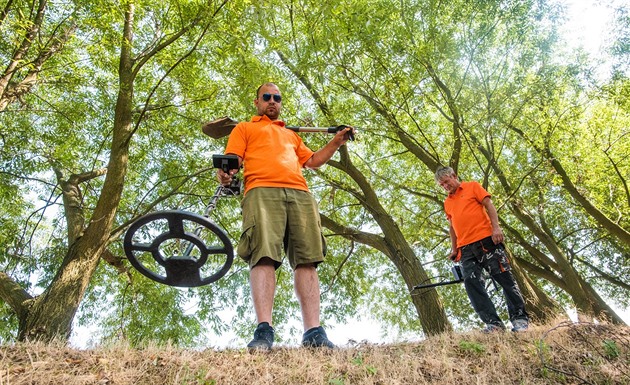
x=475 y=80
x=471 y=85
x=443 y=86
x=90 y=204
x=501 y=73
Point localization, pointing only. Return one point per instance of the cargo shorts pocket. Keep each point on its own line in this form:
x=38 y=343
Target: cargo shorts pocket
x=245 y=246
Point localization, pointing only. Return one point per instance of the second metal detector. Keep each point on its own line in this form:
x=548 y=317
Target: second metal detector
x=457 y=273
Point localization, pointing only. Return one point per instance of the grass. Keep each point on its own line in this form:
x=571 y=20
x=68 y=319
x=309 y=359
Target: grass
x=564 y=353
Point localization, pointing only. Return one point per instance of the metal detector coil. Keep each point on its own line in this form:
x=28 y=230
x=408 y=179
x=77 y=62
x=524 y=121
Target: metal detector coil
x=177 y=270
x=180 y=248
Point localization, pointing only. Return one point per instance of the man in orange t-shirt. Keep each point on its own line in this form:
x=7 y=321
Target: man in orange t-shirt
x=279 y=213
x=477 y=243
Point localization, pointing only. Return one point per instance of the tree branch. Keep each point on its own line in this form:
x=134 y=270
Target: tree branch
x=13 y=294
x=369 y=239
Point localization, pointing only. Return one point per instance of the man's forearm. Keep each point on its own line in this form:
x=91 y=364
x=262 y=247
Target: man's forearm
x=321 y=156
x=451 y=232
x=492 y=212
x=324 y=154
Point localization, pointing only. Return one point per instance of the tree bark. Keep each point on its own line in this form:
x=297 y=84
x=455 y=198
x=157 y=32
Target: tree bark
x=429 y=306
x=540 y=307
x=584 y=296
x=51 y=314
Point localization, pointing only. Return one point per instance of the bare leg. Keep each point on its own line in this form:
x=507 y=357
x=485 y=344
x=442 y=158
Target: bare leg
x=262 y=279
x=306 y=284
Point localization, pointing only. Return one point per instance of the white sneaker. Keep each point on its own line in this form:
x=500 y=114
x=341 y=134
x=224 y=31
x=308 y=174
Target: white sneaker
x=520 y=325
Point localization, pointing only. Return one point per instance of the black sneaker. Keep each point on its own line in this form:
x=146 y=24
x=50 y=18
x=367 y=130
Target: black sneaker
x=263 y=337
x=316 y=338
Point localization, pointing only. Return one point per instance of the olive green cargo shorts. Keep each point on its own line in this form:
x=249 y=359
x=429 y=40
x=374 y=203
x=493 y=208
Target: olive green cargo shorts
x=281 y=218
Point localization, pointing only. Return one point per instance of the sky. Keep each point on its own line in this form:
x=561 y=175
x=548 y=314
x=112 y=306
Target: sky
x=587 y=23
x=586 y=28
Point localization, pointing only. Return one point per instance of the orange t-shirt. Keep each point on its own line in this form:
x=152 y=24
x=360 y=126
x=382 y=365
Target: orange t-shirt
x=467 y=215
x=273 y=156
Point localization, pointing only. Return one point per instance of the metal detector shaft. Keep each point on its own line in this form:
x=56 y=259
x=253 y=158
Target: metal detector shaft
x=457 y=273
x=206 y=214
x=221 y=127
x=436 y=284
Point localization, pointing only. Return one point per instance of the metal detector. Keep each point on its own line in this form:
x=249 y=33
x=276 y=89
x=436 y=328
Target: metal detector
x=459 y=278
x=457 y=273
x=221 y=127
x=180 y=248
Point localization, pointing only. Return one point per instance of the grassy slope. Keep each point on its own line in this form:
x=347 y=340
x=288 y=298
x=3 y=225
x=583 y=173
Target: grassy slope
x=564 y=353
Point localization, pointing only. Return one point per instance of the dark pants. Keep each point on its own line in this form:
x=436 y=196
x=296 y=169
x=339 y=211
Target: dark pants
x=486 y=255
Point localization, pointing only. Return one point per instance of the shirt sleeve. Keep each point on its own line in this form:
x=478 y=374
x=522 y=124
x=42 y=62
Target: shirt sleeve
x=303 y=152
x=237 y=141
x=479 y=191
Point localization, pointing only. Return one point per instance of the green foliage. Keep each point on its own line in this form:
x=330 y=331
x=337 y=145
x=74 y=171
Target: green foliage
x=358 y=361
x=471 y=347
x=416 y=78
x=611 y=350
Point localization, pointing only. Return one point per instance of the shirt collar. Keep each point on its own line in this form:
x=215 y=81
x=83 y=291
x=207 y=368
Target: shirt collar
x=456 y=191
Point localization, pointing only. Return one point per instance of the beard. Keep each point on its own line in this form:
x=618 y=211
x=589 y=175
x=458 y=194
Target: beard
x=272 y=113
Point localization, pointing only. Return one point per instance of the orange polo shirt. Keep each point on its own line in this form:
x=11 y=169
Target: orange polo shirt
x=466 y=213
x=273 y=156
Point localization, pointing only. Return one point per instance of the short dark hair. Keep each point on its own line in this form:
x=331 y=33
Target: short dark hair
x=264 y=84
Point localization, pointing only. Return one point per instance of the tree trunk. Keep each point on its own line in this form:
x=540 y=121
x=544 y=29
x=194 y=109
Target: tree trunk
x=540 y=307
x=586 y=300
x=429 y=307
x=51 y=314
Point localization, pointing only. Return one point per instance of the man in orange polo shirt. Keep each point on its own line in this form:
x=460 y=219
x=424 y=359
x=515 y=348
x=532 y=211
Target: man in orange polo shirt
x=279 y=213
x=477 y=243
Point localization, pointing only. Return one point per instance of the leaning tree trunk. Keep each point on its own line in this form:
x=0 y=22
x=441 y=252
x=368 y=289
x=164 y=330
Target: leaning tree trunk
x=50 y=315
x=585 y=298
x=540 y=307
x=429 y=307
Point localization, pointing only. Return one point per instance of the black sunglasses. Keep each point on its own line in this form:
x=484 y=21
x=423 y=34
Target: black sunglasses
x=276 y=98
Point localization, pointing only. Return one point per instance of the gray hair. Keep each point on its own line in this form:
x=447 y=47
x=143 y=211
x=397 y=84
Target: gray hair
x=443 y=171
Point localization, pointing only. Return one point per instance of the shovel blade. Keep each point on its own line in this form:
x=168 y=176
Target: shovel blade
x=219 y=128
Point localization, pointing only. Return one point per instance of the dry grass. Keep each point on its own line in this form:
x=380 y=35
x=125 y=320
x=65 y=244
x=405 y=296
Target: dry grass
x=564 y=353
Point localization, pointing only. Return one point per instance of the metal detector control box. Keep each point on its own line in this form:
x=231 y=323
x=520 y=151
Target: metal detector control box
x=227 y=163
x=457 y=272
